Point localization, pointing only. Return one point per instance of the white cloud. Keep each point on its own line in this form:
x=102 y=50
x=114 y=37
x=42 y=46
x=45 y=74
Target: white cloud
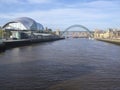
x=39 y=1
x=102 y=3
x=97 y=16
x=10 y=1
x=57 y=17
x=99 y=4
x=23 y=1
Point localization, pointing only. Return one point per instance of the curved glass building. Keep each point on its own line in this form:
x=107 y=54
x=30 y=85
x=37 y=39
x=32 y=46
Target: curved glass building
x=22 y=28
x=23 y=23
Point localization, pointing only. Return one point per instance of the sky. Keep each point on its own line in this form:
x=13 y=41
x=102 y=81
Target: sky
x=60 y=14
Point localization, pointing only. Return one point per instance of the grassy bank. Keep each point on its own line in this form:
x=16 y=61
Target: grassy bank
x=113 y=41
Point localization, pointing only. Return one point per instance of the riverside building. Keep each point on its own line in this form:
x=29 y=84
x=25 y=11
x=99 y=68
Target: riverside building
x=23 y=28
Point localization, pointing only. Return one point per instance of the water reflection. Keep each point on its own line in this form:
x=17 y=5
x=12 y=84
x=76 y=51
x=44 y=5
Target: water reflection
x=61 y=65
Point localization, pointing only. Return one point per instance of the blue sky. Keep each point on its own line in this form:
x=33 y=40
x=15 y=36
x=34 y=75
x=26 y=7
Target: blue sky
x=59 y=14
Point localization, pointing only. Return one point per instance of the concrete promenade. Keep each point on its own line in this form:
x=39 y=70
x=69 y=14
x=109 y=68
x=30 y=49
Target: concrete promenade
x=6 y=44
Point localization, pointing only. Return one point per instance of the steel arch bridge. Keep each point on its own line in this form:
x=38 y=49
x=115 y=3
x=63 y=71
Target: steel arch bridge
x=77 y=25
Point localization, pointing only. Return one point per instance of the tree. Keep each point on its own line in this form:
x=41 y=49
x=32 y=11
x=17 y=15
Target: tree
x=1 y=34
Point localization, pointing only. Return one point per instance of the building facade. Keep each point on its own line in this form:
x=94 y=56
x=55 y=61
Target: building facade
x=108 y=34
x=77 y=34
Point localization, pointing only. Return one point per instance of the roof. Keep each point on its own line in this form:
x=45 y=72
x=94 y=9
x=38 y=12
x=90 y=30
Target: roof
x=28 y=23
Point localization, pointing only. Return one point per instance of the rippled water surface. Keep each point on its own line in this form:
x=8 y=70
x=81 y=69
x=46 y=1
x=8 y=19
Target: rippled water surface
x=71 y=64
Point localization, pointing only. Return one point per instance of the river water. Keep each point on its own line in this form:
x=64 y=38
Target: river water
x=70 y=64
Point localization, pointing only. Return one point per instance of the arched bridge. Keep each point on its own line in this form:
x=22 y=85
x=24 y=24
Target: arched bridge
x=81 y=26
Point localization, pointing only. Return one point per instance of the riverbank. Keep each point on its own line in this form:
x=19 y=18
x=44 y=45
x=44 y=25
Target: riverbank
x=113 y=41
x=6 y=44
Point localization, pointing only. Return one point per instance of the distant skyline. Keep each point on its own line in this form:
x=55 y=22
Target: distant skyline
x=59 y=14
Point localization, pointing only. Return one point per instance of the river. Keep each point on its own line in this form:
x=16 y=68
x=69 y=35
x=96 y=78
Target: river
x=70 y=64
